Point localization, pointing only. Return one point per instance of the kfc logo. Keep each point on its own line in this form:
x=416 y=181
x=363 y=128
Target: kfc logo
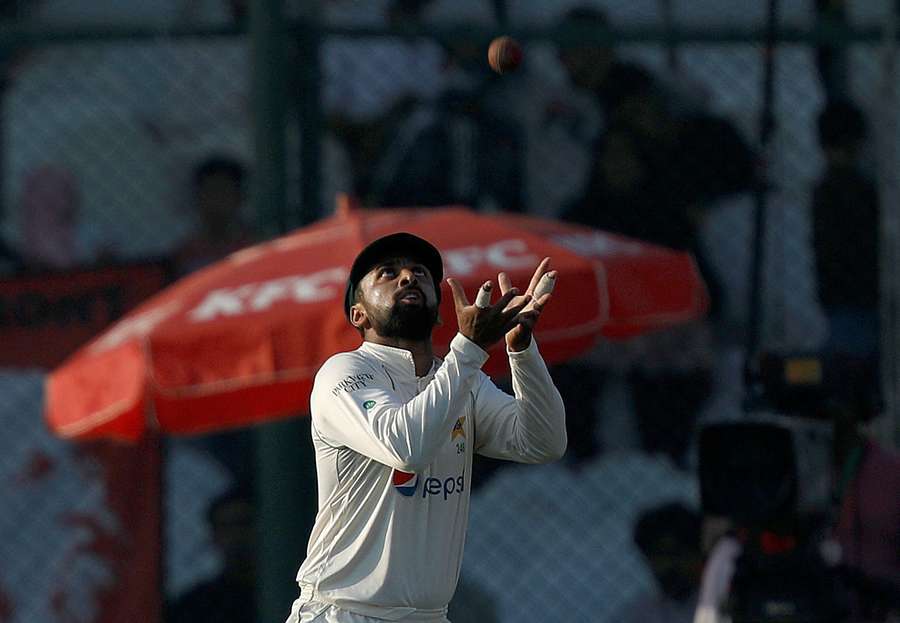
x=503 y=255
x=257 y=297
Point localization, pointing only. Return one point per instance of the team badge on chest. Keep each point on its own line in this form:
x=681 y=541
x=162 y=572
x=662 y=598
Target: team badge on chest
x=458 y=434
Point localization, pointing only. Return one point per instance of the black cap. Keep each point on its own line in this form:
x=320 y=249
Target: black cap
x=401 y=244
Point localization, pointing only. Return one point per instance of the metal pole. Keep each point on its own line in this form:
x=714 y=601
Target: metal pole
x=286 y=507
x=311 y=119
x=889 y=288
x=832 y=59
x=285 y=484
x=766 y=128
x=268 y=66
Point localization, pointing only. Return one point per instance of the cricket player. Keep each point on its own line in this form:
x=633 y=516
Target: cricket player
x=395 y=429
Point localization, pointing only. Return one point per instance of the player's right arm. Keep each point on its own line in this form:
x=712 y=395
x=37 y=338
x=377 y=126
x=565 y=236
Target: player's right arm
x=353 y=404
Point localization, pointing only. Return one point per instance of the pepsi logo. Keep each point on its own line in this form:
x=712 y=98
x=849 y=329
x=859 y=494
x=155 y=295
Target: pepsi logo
x=405 y=483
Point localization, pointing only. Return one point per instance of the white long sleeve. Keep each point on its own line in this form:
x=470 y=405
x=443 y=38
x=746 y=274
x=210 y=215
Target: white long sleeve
x=528 y=428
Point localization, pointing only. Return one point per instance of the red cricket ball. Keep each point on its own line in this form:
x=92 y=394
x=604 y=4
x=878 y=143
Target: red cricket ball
x=504 y=54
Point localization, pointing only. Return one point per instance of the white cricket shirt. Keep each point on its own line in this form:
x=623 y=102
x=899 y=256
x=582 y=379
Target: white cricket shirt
x=394 y=458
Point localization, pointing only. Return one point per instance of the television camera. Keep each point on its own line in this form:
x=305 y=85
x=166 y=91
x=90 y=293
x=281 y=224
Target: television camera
x=772 y=475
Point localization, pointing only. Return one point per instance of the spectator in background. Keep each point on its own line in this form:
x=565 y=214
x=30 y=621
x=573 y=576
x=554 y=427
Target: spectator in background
x=12 y=260
x=669 y=374
x=218 y=192
x=425 y=126
x=230 y=596
x=371 y=84
x=655 y=171
x=50 y=212
x=846 y=226
x=668 y=537
x=462 y=147
x=845 y=215
x=616 y=84
x=625 y=192
x=365 y=78
x=657 y=165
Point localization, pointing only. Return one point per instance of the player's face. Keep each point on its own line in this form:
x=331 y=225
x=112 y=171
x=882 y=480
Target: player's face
x=399 y=298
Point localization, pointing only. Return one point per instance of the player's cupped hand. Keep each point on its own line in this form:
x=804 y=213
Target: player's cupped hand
x=484 y=323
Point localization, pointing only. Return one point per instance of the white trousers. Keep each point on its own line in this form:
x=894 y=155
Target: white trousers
x=307 y=610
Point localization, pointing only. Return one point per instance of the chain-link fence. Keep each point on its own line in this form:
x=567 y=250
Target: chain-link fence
x=122 y=148
x=114 y=133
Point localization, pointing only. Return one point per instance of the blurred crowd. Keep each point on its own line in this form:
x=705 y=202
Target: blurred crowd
x=583 y=133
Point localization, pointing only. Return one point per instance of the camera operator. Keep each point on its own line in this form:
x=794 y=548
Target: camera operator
x=769 y=574
x=770 y=561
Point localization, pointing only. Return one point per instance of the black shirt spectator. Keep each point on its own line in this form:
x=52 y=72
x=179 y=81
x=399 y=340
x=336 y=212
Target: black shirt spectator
x=845 y=214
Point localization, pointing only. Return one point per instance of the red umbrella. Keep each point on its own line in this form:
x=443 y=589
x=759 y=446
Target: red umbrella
x=240 y=341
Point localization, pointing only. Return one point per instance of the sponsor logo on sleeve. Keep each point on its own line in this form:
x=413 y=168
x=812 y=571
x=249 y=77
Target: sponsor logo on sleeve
x=352 y=383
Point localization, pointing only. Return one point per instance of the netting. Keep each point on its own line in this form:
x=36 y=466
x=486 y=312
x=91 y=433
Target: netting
x=140 y=149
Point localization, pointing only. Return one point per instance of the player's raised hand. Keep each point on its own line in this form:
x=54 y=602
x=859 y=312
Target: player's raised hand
x=538 y=294
x=484 y=323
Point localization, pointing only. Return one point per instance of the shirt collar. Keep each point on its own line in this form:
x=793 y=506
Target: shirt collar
x=396 y=360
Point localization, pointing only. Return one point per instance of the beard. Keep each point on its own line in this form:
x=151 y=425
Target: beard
x=407 y=322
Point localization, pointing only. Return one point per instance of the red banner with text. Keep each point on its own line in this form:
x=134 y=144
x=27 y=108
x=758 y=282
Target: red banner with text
x=45 y=317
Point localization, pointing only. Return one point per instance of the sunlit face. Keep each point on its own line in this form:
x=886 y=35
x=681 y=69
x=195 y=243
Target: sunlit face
x=397 y=299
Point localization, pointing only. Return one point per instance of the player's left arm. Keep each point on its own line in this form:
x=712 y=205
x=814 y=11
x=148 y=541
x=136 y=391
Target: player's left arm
x=529 y=427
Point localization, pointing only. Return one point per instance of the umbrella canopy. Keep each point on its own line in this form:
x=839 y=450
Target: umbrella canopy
x=240 y=342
